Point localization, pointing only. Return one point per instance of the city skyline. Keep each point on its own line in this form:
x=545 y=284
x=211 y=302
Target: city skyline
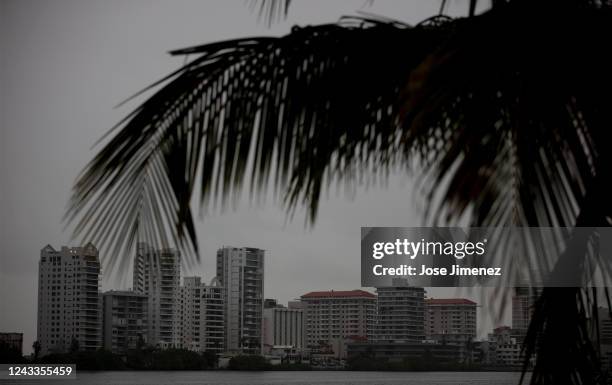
x=158 y=284
x=118 y=50
x=233 y=315
x=182 y=281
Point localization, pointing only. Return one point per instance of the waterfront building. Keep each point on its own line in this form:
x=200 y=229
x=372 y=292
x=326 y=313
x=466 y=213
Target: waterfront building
x=157 y=274
x=241 y=272
x=333 y=315
x=283 y=327
x=400 y=313
x=125 y=321
x=450 y=320
x=69 y=301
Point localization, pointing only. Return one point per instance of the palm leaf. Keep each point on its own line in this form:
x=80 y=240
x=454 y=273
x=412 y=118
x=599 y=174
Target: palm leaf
x=505 y=112
x=316 y=104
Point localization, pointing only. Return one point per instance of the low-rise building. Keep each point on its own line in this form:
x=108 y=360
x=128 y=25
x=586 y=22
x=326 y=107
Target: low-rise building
x=13 y=341
x=405 y=352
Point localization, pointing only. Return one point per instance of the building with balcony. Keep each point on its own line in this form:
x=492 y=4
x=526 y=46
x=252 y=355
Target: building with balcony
x=202 y=316
x=335 y=316
x=241 y=272
x=125 y=321
x=450 y=320
x=157 y=274
x=69 y=301
x=400 y=313
x=212 y=317
x=523 y=301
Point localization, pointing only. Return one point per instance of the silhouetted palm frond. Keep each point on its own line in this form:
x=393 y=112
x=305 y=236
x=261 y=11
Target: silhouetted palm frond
x=301 y=107
x=270 y=10
x=507 y=112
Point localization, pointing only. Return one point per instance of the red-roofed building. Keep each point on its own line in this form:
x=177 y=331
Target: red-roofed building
x=333 y=316
x=450 y=320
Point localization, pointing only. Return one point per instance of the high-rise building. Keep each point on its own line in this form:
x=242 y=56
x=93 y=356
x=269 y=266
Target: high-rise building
x=241 y=272
x=202 y=316
x=523 y=302
x=400 y=313
x=450 y=320
x=337 y=315
x=189 y=313
x=69 y=302
x=212 y=317
x=157 y=274
x=125 y=321
x=283 y=327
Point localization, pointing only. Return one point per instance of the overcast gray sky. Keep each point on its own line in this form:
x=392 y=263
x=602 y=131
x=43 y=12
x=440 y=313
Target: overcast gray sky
x=63 y=66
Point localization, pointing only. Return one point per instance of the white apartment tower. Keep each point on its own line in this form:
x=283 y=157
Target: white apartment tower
x=69 y=302
x=212 y=317
x=400 y=313
x=189 y=313
x=202 y=316
x=157 y=274
x=241 y=272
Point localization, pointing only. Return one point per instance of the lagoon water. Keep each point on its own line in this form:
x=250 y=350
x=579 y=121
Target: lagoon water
x=280 y=378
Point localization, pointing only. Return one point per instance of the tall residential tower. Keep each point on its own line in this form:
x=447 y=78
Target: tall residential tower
x=400 y=313
x=241 y=272
x=69 y=302
x=202 y=316
x=157 y=274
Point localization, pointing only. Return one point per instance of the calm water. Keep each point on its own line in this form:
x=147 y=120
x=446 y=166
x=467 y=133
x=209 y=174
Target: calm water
x=292 y=378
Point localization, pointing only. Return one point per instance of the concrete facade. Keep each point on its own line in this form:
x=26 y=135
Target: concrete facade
x=157 y=274
x=241 y=272
x=333 y=315
x=400 y=313
x=450 y=320
x=202 y=316
x=283 y=327
x=125 y=321
x=69 y=302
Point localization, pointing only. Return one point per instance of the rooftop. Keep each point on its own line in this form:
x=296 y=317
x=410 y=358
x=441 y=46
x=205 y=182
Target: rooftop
x=339 y=294
x=449 y=301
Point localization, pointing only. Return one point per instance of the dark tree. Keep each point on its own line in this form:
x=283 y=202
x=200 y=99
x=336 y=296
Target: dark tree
x=36 y=347
x=74 y=345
